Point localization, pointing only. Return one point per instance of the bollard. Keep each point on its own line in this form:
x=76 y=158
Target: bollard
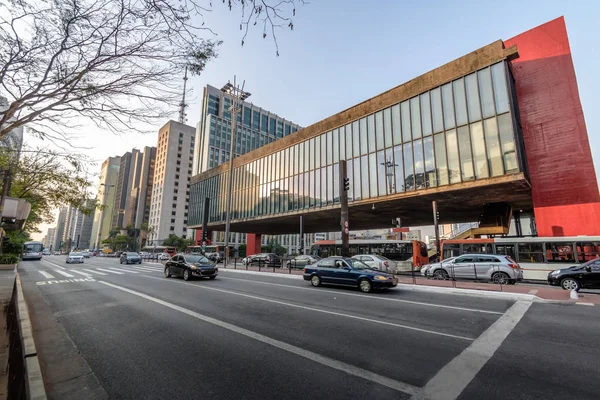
x=259 y=262
x=453 y=276
x=475 y=271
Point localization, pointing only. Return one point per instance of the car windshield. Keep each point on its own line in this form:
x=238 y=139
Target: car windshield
x=133 y=254
x=449 y=259
x=192 y=259
x=357 y=264
x=592 y=263
x=74 y=254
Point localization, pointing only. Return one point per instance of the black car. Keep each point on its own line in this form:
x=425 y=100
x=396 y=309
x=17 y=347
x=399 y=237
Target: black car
x=190 y=265
x=348 y=272
x=585 y=276
x=263 y=260
x=130 y=258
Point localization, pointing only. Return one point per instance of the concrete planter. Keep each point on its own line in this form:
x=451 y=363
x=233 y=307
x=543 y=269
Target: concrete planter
x=7 y=267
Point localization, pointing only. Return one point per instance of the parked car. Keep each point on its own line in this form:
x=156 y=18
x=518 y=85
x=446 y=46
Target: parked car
x=75 y=258
x=491 y=267
x=86 y=254
x=586 y=276
x=164 y=256
x=46 y=252
x=216 y=257
x=190 y=265
x=425 y=270
x=129 y=257
x=263 y=260
x=378 y=262
x=348 y=272
x=56 y=253
x=302 y=261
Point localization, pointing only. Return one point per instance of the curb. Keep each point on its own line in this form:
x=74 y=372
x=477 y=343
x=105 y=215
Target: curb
x=33 y=372
x=419 y=288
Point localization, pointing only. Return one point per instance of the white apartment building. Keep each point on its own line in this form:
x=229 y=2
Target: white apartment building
x=171 y=184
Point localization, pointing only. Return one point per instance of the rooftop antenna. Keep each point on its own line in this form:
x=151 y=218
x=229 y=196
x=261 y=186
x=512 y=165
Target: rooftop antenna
x=183 y=105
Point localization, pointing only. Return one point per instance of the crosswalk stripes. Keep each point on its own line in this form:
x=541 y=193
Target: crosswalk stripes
x=81 y=273
x=65 y=274
x=123 y=269
x=46 y=275
x=109 y=271
x=145 y=269
x=95 y=272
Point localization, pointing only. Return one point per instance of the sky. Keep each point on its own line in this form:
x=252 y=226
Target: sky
x=343 y=52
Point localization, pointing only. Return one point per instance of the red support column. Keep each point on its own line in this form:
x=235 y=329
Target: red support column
x=253 y=245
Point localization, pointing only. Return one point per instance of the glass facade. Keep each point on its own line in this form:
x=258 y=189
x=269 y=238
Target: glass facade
x=460 y=131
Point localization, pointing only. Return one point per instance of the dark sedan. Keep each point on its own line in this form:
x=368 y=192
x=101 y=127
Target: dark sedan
x=348 y=272
x=585 y=276
x=190 y=265
x=130 y=258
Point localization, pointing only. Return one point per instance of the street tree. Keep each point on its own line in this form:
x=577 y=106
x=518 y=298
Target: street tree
x=179 y=242
x=118 y=63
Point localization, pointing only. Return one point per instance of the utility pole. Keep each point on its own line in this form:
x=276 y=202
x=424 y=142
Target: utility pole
x=237 y=95
x=436 y=219
x=301 y=241
x=344 y=223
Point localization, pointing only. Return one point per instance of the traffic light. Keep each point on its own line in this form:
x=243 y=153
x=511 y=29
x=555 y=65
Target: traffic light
x=346 y=184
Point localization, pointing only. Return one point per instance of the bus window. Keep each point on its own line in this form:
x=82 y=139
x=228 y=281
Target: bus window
x=531 y=252
x=450 y=250
x=587 y=251
x=506 y=249
x=560 y=252
x=477 y=248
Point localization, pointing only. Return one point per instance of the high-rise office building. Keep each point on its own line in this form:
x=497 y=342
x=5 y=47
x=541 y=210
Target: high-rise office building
x=137 y=210
x=109 y=175
x=125 y=182
x=170 y=188
x=256 y=127
x=50 y=239
x=80 y=227
x=60 y=228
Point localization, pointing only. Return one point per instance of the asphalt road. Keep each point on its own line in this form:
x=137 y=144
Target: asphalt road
x=245 y=336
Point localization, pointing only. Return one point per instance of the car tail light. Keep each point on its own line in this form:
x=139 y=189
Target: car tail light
x=386 y=264
x=514 y=266
x=304 y=270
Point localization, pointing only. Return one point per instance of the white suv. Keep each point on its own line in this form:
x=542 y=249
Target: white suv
x=490 y=267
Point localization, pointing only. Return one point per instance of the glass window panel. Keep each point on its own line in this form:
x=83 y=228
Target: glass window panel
x=364 y=177
x=460 y=102
x=342 y=143
x=335 y=150
x=480 y=158
x=350 y=175
x=317 y=141
x=466 y=159
x=370 y=132
x=409 y=180
x=425 y=114
x=329 y=148
x=324 y=149
x=336 y=183
x=387 y=126
x=448 y=106
x=419 y=165
x=396 y=130
x=357 y=192
x=473 y=98
x=436 y=110
x=493 y=146
x=507 y=141
x=415 y=116
x=324 y=187
x=398 y=170
x=277 y=164
x=330 y=184
x=309 y=153
x=373 y=174
x=405 y=111
x=485 y=92
x=348 y=142
x=440 y=159
x=299 y=160
x=299 y=194
x=317 y=184
x=356 y=145
x=382 y=168
x=430 y=178
x=500 y=92
x=452 y=151
x=379 y=135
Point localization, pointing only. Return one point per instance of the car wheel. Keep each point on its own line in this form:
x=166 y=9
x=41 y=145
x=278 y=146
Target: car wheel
x=364 y=285
x=440 y=274
x=167 y=272
x=570 y=284
x=140 y=263
x=186 y=275
x=315 y=281
x=512 y=282
x=500 y=278
x=211 y=277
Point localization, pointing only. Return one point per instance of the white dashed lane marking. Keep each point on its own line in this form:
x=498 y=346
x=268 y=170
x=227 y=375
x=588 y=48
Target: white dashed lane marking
x=81 y=273
x=95 y=272
x=65 y=274
x=46 y=275
x=123 y=269
x=109 y=271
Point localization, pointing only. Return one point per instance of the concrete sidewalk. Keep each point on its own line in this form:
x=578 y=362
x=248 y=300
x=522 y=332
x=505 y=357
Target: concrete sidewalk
x=544 y=292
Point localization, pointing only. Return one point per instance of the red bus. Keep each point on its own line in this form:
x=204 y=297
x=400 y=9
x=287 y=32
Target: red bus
x=407 y=253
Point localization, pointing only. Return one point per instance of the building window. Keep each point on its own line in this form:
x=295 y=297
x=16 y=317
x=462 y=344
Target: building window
x=174 y=205
x=172 y=221
x=178 y=162
x=172 y=228
x=173 y=213
x=177 y=169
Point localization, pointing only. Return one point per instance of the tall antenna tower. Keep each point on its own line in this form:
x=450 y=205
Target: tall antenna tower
x=183 y=105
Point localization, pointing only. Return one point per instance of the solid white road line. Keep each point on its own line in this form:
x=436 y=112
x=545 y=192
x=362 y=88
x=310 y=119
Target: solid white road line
x=56 y=265
x=366 y=296
x=412 y=328
x=451 y=380
x=109 y=271
x=95 y=272
x=81 y=273
x=329 y=362
x=65 y=274
x=46 y=275
x=146 y=269
x=123 y=269
x=584 y=304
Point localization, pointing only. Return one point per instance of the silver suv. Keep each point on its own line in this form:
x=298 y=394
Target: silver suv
x=491 y=267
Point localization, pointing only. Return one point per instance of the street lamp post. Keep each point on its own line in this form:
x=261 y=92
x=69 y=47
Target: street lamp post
x=237 y=95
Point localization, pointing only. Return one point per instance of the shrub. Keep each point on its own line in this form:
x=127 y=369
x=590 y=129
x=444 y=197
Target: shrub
x=8 y=258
